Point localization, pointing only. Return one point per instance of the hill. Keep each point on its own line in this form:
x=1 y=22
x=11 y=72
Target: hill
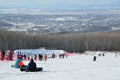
x=75 y=67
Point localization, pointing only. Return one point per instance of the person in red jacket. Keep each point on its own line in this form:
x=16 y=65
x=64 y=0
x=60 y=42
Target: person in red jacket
x=2 y=54
x=11 y=55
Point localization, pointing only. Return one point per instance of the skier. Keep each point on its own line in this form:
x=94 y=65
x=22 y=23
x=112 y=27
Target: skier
x=94 y=58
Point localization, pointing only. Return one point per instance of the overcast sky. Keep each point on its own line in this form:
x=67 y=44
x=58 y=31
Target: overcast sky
x=48 y=4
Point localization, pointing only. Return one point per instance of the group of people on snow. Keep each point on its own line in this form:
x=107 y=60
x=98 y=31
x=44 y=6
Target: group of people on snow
x=39 y=57
x=31 y=67
x=100 y=54
x=9 y=55
x=19 y=57
x=6 y=55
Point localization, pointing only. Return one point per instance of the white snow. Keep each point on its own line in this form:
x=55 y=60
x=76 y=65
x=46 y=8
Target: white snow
x=75 y=67
x=40 y=11
x=116 y=28
x=64 y=19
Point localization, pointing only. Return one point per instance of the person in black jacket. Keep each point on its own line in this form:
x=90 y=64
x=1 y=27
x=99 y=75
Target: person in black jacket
x=31 y=66
x=94 y=58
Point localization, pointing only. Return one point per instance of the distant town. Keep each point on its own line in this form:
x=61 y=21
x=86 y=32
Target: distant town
x=42 y=22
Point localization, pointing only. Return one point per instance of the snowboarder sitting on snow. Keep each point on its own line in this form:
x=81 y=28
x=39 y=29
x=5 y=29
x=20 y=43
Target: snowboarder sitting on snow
x=31 y=67
x=18 y=63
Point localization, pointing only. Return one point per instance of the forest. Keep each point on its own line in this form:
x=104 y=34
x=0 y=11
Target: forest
x=79 y=42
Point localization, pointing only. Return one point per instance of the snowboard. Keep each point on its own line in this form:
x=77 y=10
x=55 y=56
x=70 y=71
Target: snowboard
x=37 y=70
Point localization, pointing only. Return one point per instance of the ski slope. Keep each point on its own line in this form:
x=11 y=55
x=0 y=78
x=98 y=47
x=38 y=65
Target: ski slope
x=75 y=67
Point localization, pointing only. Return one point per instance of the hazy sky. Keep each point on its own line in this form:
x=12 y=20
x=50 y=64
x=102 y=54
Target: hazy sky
x=48 y=4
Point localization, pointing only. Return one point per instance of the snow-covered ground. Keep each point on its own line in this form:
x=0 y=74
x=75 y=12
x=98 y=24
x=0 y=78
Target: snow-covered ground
x=75 y=67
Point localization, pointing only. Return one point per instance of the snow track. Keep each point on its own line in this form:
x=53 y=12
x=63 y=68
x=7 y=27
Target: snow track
x=75 y=67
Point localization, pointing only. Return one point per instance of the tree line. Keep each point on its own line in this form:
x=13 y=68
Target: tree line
x=108 y=41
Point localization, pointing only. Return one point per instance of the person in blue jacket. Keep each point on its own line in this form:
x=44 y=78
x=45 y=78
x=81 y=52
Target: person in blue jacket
x=18 y=63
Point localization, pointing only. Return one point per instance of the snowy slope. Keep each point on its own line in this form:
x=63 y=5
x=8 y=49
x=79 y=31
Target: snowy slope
x=75 y=67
